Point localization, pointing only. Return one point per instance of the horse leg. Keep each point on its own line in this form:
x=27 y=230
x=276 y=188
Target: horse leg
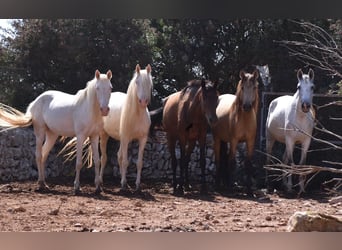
x=183 y=162
x=217 y=149
x=94 y=140
x=202 y=164
x=172 y=147
x=188 y=153
x=50 y=139
x=123 y=162
x=249 y=166
x=103 y=147
x=40 y=134
x=305 y=147
x=231 y=164
x=269 y=145
x=224 y=162
x=79 y=147
x=288 y=159
x=142 y=143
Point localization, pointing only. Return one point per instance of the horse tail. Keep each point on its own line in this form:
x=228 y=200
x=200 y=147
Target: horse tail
x=156 y=117
x=12 y=118
x=69 y=151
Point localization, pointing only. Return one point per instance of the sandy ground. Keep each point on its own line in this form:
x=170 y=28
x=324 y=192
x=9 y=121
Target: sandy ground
x=22 y=208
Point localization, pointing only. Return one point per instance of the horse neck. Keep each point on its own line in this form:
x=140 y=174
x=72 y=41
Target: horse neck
x=88 y=99
x=132 y=105
x=297 y=104
x=195 y=106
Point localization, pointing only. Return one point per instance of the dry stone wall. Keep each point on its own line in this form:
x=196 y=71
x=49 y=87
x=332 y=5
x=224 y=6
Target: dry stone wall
x=17 y=159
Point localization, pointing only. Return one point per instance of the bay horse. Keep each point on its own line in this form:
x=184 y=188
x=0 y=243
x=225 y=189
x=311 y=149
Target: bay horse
x=55 y=113
x=237 y=122
x=186 y=116
x=128 y=120
x=290 y=121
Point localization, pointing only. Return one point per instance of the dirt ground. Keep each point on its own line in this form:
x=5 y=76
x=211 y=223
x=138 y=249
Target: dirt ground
x=153 y=209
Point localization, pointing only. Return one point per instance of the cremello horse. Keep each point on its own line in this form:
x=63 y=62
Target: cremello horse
x=128 y=120
x=290 y=120
x=54 y=113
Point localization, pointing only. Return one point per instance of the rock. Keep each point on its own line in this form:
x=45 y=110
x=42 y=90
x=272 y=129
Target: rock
x=308 y=222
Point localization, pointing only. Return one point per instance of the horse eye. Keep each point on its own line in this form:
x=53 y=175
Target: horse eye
x=312 y=87
x=298 y=87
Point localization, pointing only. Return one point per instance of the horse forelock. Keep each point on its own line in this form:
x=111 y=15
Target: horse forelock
x=141 y=84
x=247 y=82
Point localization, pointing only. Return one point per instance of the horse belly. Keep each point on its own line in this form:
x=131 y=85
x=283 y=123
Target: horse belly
x=60 y=122
x=57 y=114
x=275 y=124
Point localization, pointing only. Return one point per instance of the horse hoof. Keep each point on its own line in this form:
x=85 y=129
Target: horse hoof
x=42 y=187
x=250 y=193
x=178 y=191
x=77 y=191
x=98 y=190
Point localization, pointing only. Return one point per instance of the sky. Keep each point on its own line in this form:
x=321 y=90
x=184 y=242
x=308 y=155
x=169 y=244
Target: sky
x=4 y=23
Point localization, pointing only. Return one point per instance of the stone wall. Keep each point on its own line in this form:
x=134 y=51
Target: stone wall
x=17 y=159
x=17 y=156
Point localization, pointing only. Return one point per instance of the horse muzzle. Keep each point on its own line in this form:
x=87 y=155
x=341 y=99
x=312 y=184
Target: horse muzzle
x=247 y=107
x=104 y=111
x=143 y=103
x=306 y=107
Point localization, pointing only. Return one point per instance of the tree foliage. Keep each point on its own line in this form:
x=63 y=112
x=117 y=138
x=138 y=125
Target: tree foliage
x=63 y=54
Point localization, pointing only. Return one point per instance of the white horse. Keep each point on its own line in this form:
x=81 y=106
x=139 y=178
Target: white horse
x=290 y=120
x=54 y=113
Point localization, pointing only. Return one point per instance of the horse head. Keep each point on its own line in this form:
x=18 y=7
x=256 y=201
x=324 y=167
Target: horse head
x=144 y=84
x=209 y=100
x=247 y=90
x=103 y=89
x=305 y=88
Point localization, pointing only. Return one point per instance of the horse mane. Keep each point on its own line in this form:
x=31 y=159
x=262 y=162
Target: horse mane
x=237 y=104
x=189 y=103
x=83 y=94
x=131 y=104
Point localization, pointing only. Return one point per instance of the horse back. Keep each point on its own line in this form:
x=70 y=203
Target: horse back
x=54 y=109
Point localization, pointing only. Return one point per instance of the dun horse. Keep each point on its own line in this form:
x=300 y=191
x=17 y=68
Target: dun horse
x=290 y=120
x=237 y=122
x=55 y=113
x=186 y=116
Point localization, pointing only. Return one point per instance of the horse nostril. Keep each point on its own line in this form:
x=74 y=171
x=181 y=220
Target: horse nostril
x=247 y=107
x=306 y=106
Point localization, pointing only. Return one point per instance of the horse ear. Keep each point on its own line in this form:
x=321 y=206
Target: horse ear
x=148 y=68
x=256 y=74
x=97 y=74
x=109 y=74
x=137 y=68
x=242 y=74
x=300 y=74
x=311 y=74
